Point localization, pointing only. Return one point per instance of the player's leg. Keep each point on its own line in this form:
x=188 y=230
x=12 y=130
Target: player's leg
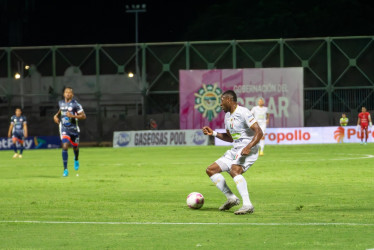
x=239 y=166
x=65 y=156
x=262 y=141
x=241 y=184
x=362 y=135
x=76 y=157
x=14 y=146
x=21 y=148
x=74 y=141
x=366 y=135
x=214 y=173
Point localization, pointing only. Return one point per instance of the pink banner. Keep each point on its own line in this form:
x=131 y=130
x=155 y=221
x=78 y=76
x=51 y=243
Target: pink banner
x=200 y=92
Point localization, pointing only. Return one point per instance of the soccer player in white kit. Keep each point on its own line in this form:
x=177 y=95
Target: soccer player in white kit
x=241 y=129
x=261 y=114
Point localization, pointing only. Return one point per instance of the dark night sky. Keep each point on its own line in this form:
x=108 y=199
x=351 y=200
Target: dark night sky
x=46 y=22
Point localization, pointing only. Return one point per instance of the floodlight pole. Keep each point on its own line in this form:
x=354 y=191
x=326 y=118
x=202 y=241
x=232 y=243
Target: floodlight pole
x=136 y=9
x=20 y=69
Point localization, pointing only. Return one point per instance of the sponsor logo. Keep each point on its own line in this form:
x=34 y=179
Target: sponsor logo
x=199 y=138
x=295 y=136
x=207 y=101
x=339 y=134
x=151 y=138
x=123 y=139
x=39 y=143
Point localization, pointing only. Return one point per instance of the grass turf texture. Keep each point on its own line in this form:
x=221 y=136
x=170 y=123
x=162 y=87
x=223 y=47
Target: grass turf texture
x=291 y=187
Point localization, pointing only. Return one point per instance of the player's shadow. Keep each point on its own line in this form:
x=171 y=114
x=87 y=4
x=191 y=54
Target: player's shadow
x=48 y=176
x=214 y=209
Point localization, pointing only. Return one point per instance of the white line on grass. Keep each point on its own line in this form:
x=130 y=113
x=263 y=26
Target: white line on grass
x=361 y=156
x=191 y=223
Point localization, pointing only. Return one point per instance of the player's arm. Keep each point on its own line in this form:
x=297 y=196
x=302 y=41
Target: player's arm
x=222 y=136
x=10 y=130
x=370 y=123
x=267 y=118
x=55 y=117
x=79 y=116
x=25 y=131
x=256 y=138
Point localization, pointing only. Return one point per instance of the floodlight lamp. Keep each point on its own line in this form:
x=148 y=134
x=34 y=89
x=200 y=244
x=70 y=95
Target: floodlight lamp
x=17 y=76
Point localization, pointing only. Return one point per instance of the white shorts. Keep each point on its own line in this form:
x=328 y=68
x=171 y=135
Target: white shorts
x=233 y=157
x=262 y=126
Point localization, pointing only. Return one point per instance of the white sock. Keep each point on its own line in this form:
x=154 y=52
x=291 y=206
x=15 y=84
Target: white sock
x=262 y=145
x=220 y=183
x=241 y=185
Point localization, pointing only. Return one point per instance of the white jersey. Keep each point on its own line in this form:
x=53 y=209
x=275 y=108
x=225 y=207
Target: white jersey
x=238 y=124
x=260 y=114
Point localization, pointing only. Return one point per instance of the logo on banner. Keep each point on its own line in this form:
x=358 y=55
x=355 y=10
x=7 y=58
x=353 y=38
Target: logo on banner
x=207 y=101
x=123 y=139
x=199 y=138
x=339 y=134
x=39 y=143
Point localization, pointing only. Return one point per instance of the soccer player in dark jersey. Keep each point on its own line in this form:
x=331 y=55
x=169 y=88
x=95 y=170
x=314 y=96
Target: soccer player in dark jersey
x=18 y=131
x=364 y=120
x=70 y=112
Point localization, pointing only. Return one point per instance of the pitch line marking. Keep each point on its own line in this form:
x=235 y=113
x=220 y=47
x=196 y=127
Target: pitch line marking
x=192 y=223
x=360 y=156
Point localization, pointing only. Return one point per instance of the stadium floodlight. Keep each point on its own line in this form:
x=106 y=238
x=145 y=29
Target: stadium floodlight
x=136 y=9
x=17 y=76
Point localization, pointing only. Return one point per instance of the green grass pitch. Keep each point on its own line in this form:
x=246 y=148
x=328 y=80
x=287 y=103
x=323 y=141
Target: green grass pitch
x=305 y=197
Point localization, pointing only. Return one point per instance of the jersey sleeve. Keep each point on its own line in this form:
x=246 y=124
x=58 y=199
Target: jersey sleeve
x=11 y=120
x=79 y=108
x=24 y=120
x=249 y=118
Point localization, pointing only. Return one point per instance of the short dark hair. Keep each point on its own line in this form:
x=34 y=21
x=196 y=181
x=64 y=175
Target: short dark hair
x=230 y=93
x=67 y=87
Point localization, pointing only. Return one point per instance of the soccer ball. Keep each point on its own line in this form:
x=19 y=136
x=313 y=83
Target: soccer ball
x=195 y=200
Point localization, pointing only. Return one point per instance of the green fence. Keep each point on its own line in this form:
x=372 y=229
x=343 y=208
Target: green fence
x=338 y=75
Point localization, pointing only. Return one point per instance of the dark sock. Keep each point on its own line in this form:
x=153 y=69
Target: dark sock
x=22 y=148
x=65 y=158
x=14 y=146
x=76 y=153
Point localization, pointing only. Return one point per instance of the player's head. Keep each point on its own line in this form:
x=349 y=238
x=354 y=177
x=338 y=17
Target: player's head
x=228 y=99
x=18 y=111
x=363 y=109
x=68 y=93
x=343 y=115
x=261 y=102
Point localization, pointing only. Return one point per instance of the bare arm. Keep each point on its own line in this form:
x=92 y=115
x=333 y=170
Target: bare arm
x=25 y=131
x=358 y=121
x=55 y=117
x=10 y=130
x=80 y=116
x=222 y=136
x=257 y=137
x=267 y=118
